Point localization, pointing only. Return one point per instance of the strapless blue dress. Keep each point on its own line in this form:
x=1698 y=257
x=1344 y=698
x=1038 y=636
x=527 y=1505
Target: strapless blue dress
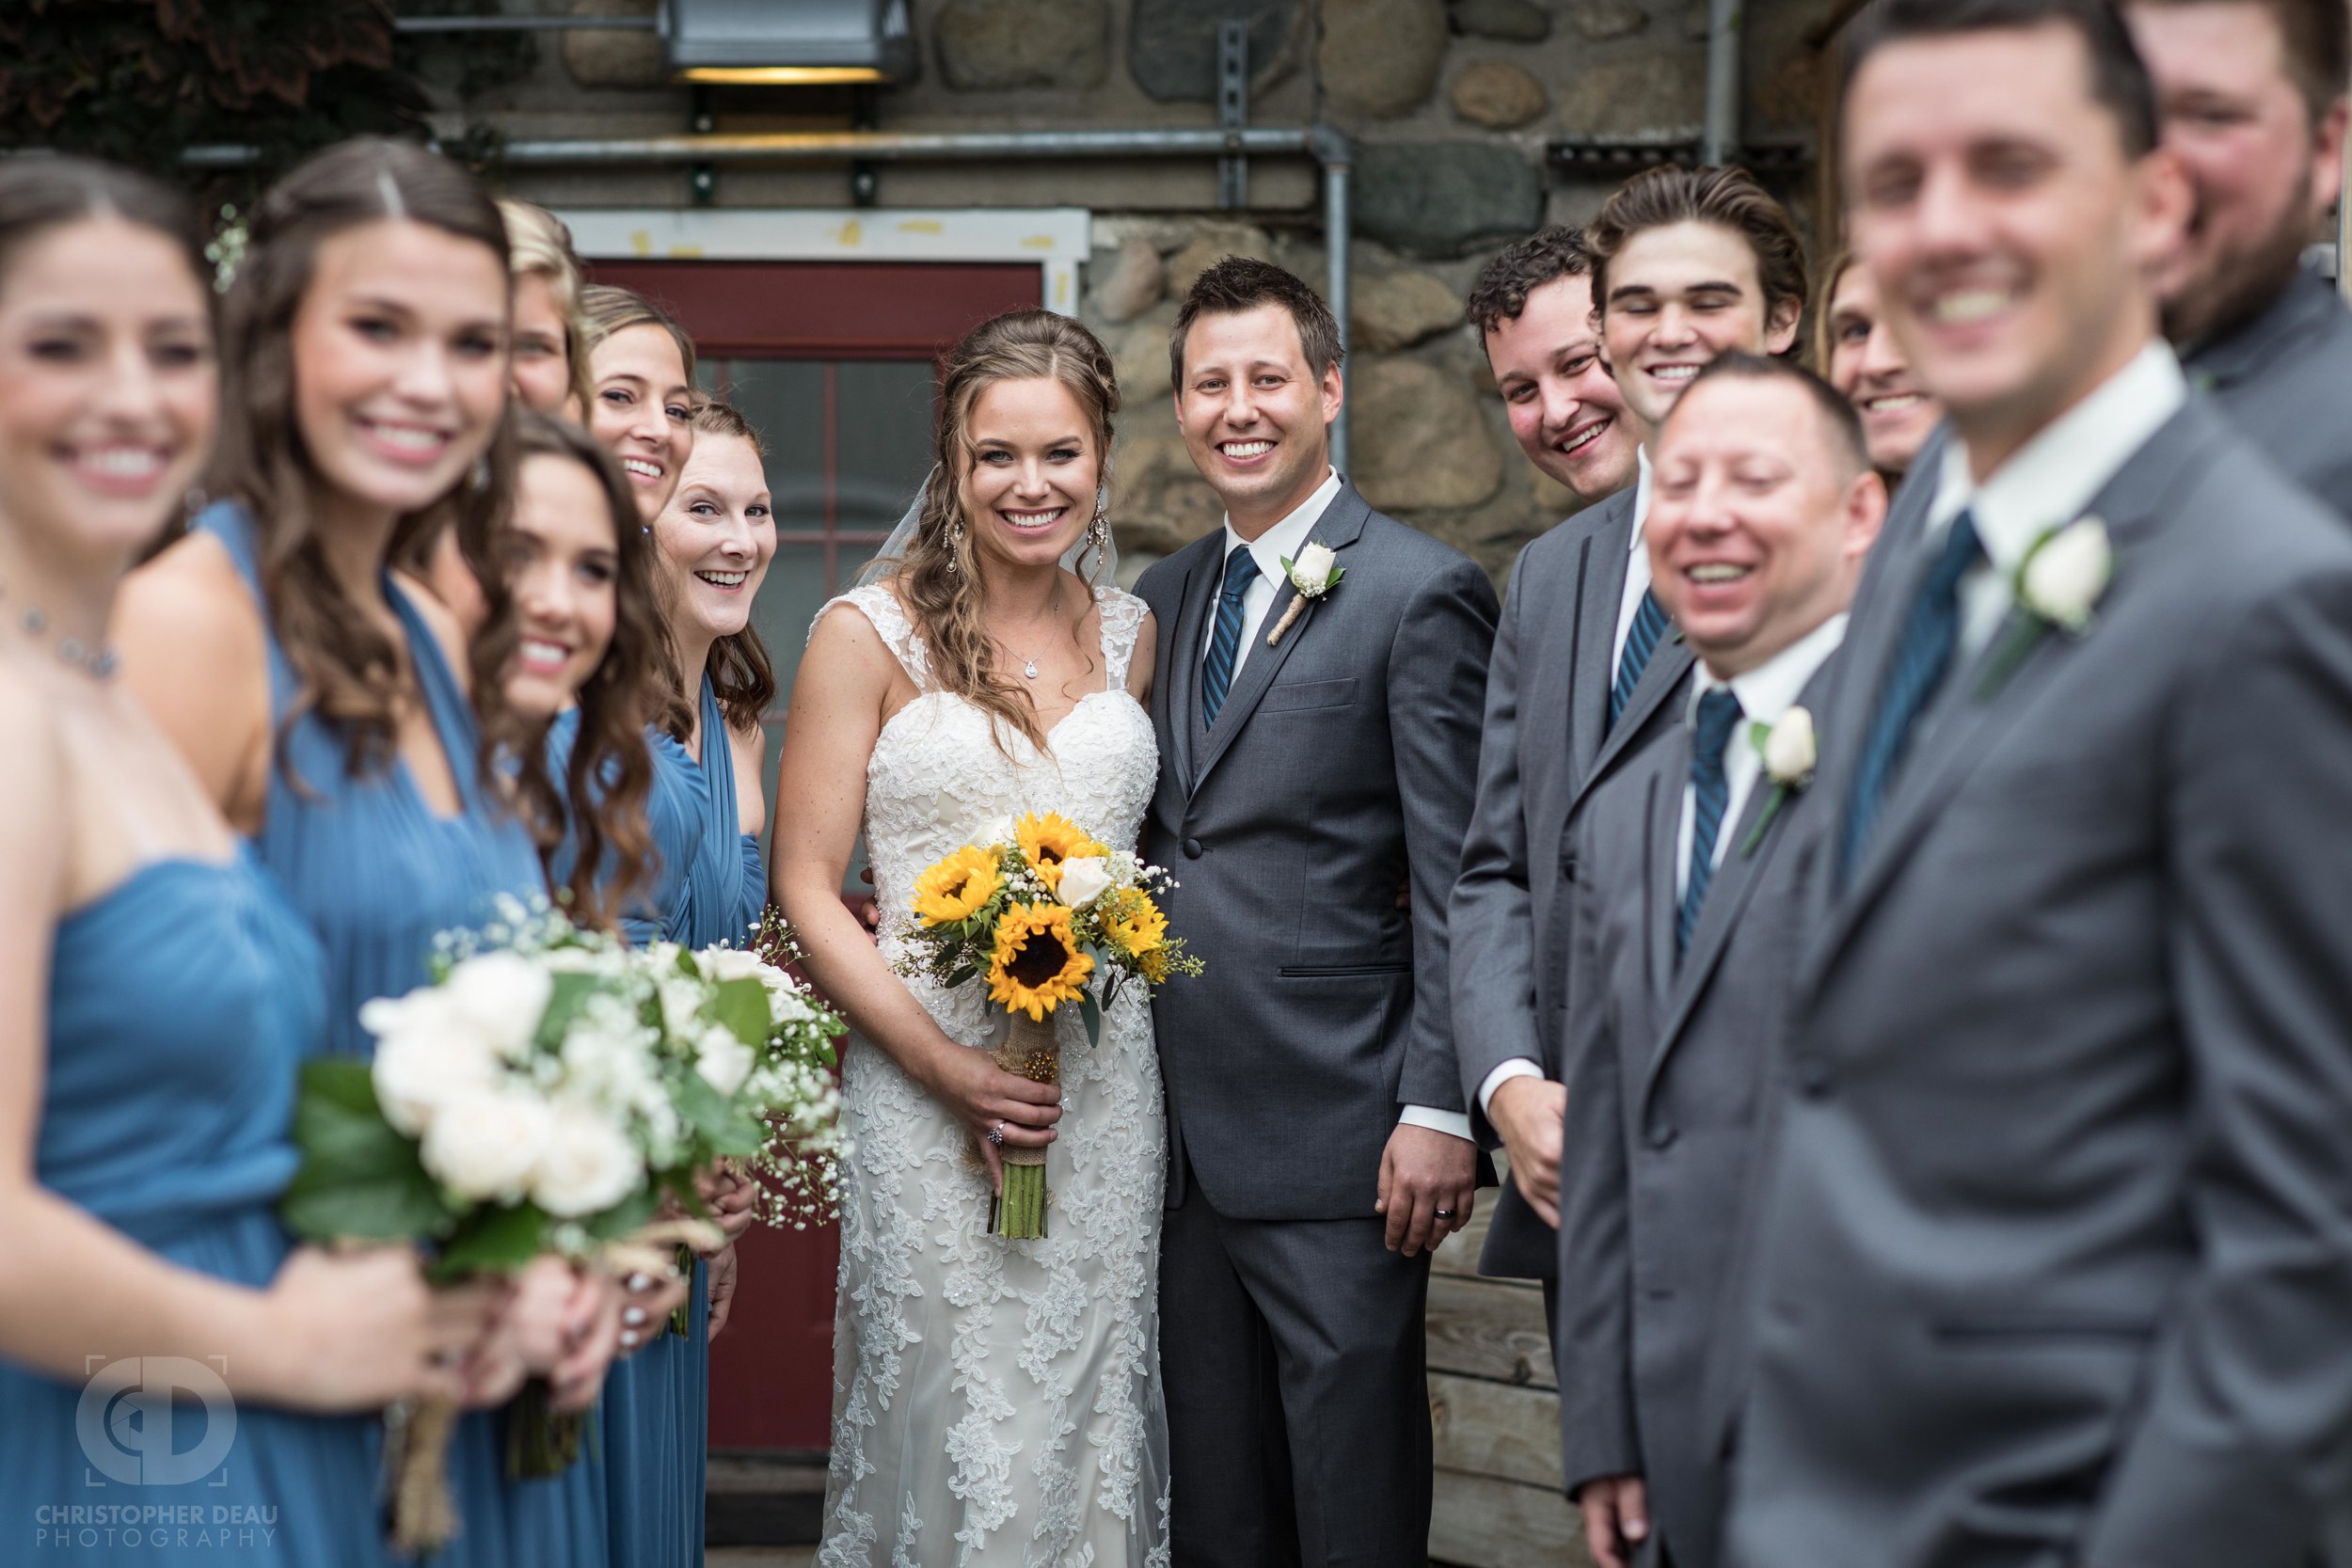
x=378 y=875
x=656 y=1404
x=180 y=1005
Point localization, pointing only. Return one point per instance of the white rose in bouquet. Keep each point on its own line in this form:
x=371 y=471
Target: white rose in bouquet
x=424 y=1059
x=1084 y=879
x=588 y=1165
x=501 y=996
x=995 y=831
x=723 y=1060
x=485 y=1146
x=732 y=963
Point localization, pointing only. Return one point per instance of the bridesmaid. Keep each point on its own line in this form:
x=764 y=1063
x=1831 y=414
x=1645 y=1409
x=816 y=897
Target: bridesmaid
x=156 y=990
x=325 y=708
x=547 y=371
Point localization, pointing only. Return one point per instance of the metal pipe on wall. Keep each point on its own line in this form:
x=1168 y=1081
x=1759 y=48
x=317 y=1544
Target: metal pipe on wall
x=1719 y=140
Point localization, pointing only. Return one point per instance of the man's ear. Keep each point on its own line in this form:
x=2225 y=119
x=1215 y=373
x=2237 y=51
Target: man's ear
x=1780 y=326
x=1866 y=512
x=1334 y=391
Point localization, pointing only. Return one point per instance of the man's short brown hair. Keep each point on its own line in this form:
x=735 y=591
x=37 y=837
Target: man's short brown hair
x=1240 y=283
x=1548 y=255
x=2316 y=40
x=1728 y=198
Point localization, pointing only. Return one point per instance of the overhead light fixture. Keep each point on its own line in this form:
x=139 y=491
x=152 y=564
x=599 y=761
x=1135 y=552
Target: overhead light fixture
x=788 y=43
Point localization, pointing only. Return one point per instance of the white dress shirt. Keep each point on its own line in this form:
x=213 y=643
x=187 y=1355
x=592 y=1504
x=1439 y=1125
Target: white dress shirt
x=2048 y=481
x=1285 y=539
x=1637 y=581
x=1766 y=693
x=1281 y=541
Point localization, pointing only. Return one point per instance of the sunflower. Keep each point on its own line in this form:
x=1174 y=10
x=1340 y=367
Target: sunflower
x=1050 y=839
x=1136 y=924
x=1037 y=965
x=957 y=888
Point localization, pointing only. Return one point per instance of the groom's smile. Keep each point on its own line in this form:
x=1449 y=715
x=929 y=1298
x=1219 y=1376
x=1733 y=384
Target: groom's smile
x=1254 y=412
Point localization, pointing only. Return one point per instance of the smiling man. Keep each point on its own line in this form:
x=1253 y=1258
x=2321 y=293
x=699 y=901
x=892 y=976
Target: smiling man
x=2054 y=1240
x=2251 y=96
x=1318 y=735
x=1552 y=696
x=1690 y=861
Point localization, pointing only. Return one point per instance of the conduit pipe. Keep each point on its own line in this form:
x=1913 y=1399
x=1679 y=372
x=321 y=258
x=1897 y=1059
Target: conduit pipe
x=1330 y=147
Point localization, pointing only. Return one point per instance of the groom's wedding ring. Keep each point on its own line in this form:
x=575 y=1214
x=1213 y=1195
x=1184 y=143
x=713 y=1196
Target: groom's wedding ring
x=996 y=1133
x=1444 y=1213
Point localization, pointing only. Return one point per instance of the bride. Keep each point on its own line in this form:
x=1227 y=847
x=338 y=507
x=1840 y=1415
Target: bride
x=994 y=1402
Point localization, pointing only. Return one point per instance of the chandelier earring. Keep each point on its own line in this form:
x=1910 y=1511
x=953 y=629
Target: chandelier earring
x=955 y=547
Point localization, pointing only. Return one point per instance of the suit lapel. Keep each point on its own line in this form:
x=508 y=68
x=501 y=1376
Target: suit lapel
x=1341 y=525
x=1963 y=727
x=1600 y=584
x=1181 y=658
x=1658 y=866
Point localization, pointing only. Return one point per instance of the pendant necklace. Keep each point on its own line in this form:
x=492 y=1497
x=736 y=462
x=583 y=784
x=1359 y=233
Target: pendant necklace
x=1029 y=661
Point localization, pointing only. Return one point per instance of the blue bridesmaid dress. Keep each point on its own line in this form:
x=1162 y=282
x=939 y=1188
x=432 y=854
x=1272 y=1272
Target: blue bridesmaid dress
x=378 y=875
x=656 y=1404
x=675 y=802
x=180 y=1005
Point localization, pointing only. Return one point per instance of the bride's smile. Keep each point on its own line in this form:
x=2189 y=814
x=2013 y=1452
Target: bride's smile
x=1031 y=490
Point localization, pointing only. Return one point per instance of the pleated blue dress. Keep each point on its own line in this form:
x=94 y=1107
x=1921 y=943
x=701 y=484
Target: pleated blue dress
x=181 y=1003
x=677 y=799
x=656 y=1403
x=378 y=875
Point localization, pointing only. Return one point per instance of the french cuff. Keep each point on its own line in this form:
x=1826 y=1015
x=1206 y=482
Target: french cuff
x=1454 y=1124
x=1518 y=1066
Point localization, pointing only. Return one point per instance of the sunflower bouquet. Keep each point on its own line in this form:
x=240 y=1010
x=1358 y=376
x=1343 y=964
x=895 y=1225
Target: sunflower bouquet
x=1050 y=918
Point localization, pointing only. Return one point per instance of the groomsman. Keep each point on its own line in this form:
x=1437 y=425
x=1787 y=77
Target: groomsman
x=1700 y=261
x=2055 y=1251
x=1318 y=734
x=1689 y=862
x=2250 y=95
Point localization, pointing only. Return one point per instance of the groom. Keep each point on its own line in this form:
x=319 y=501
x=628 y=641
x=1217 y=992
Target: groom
x=1317 y=750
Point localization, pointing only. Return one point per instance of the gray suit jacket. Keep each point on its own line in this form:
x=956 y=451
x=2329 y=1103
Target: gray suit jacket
x=1341 y=764
x=2055 y=1245
x=1548 y=741
x=2285 y=380
x=1667 y=1075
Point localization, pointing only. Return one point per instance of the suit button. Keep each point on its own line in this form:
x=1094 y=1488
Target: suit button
x=1661 y=1136
x=1813 y=1078
x=1192 y=848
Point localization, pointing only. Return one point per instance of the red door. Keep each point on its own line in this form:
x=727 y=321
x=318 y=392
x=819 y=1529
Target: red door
x=834 y=363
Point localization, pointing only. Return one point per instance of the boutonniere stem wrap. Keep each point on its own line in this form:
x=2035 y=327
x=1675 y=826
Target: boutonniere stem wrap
x=1790 y=753
x=1312 y=575
x=2060 y=585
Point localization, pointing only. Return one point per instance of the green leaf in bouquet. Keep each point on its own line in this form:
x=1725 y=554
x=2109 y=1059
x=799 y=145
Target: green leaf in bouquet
x=1091 y=1014
x=687 y=966
x=360 y=1178
x=962 y=972
x=567 y=998
x=741 y=1007
x=492 y=1239
x=717 y=1121
x=634 y=1212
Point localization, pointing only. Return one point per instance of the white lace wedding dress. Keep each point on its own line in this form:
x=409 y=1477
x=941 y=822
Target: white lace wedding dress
x=998 y=1403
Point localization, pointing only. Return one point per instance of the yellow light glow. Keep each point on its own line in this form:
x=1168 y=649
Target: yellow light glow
x=779 y=75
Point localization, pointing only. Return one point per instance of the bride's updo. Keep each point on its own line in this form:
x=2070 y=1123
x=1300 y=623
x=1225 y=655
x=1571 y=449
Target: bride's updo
x=935 y=578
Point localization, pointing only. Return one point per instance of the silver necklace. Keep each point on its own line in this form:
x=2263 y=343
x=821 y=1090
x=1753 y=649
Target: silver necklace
x=1029 y=661
x=99 y=663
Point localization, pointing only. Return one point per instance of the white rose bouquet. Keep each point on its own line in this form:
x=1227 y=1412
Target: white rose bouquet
x=544 y=1095
x=1040 y=909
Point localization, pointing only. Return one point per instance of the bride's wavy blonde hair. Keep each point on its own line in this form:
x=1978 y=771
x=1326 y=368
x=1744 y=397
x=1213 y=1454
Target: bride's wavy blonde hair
x=935 y=578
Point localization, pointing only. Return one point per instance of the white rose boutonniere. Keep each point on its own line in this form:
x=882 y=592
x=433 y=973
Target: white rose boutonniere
x=2059 y=584
x=1313 y=575
x=1790 y=751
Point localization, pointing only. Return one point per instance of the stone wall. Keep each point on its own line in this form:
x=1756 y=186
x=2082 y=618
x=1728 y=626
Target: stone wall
x=1454 y=103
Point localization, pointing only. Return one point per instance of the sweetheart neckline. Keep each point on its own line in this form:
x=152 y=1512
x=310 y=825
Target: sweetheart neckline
x=1051 y=730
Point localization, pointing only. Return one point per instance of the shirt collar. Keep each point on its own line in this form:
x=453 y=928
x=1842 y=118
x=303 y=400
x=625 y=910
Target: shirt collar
x=1772 y=688
x=2048 y=481
x=1285 y=539
x=1641 y=495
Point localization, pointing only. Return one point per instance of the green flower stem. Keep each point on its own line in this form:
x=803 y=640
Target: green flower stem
x=681 y=1317
x=2018 y=636
x=540 y=1442
x=1020 y=1207
x=1772 y=803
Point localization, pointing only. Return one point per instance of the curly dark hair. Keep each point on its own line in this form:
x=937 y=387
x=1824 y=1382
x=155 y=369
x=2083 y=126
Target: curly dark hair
x=1726 y=196
x=350 y=673
x=601 y=798
x=1552 y=252
x=1240 y=283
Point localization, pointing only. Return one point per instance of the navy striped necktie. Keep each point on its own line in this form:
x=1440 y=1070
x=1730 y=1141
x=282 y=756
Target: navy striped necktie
x=1710 y=795
x=1216 y=676
x=1640 y=640
x=1925 y=651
